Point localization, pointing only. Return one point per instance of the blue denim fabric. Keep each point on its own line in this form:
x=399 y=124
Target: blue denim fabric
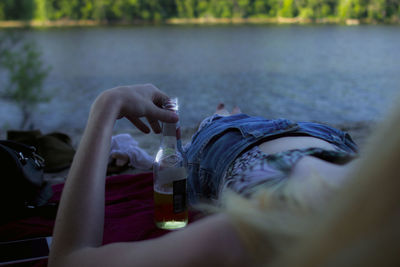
x=222 y=139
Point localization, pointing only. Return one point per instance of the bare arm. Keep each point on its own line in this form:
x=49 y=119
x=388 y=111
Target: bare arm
x=78 y=230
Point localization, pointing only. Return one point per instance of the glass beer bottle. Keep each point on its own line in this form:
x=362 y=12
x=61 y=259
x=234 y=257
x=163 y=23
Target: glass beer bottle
x=170 y=197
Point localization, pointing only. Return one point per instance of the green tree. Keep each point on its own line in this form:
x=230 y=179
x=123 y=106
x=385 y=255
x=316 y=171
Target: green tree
x=86 y=9
x=99 y=9
x=259 y=8
x=57 y=9
x=152 y=10
x=16 y=9
x=185 y=8
x=393 y=8
x=241 y=8
x=352 y=9
x=288 y=9
x=2 y=15
x=382 y=10
x=169 y=8
x=156 y=10
x=316 y=8
x=377 y=10
x=26 y=74
x=203 y=8
x=40 y=10
x=272 y=7
x=221 y=8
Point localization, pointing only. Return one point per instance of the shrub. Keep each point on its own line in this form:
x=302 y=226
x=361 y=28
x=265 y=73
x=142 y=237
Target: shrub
x=26 y=73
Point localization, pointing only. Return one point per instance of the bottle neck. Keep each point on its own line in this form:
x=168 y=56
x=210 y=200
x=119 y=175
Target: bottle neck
x=169 y=129
x=169 y=138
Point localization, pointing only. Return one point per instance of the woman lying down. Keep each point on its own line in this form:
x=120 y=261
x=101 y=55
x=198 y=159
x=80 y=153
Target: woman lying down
x=282 y=193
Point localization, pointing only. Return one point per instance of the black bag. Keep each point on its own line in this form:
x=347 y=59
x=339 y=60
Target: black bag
x=22 y=186
x=56 y=148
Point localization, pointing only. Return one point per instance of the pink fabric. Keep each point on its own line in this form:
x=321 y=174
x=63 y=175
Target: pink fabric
x=129 y=209
x=128 y=213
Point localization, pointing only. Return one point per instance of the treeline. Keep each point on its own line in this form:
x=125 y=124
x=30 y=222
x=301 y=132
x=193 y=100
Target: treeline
x=160 y=10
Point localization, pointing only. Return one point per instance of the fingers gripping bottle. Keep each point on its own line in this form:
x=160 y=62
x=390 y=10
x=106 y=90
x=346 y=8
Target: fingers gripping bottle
x=170 y=193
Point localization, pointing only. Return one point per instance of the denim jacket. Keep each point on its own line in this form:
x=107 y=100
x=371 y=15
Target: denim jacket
x=221 y=141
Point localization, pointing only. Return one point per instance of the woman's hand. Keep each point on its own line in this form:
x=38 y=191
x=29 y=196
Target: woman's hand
x=80 y=217
x=137 y=101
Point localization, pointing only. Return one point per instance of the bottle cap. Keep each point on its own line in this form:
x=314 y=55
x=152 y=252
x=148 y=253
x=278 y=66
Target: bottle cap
x=171 y=104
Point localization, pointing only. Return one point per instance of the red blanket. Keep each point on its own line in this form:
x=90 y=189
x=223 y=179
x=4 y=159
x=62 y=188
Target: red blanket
x=128 y=213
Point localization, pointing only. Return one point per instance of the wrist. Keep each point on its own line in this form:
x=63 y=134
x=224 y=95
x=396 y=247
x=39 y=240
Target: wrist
x=107 y=105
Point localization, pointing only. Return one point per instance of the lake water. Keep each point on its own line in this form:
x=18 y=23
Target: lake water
x=325 y=73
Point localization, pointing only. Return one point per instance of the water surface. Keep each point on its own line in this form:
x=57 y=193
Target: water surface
x=332 y=74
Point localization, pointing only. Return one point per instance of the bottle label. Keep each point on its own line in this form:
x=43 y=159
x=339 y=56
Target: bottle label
x=179 y=196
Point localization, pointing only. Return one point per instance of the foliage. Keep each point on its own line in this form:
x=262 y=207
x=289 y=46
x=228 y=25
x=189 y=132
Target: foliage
x=288 y=9
x=155 y=10
x=26 y=74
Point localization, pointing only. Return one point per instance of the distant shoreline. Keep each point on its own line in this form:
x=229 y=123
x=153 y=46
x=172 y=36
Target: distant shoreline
x=189 y=21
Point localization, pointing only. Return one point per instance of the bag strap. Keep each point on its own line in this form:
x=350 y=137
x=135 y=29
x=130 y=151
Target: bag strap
x=23 y=152
x=18 y=146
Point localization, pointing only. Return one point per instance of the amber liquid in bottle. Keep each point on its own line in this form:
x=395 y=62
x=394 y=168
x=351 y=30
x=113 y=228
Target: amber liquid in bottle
x=164 y=214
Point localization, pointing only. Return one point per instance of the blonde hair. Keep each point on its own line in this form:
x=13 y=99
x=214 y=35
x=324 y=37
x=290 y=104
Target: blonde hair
x=360 y=226
x=274 y=219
